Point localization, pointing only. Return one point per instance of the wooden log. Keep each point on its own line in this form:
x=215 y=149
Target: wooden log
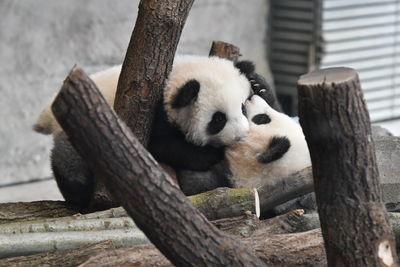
x=31 y=243
x=136 y=181
x=279 y=191
x=304 y=249
x=227 y=202
x=337 y=128
x=23 y=211
x=65 y=258
x=225 y=50
x=64 y=225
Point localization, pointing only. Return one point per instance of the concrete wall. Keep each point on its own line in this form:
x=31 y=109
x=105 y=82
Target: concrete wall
x=42 y=39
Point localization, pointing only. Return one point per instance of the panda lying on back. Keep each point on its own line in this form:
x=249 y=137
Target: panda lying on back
x=202 y=113
x=274 y=147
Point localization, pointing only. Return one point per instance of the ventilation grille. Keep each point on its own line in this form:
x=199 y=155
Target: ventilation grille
x=364 y=35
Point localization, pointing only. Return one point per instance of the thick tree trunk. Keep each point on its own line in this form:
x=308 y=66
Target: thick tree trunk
x=148 y=62
x=136 y=181
x=336 y=124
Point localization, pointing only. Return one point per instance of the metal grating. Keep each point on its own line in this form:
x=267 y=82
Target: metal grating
x=364 y=35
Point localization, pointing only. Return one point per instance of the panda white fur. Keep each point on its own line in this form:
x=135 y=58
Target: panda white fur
x=274 y=147
x=202 y=113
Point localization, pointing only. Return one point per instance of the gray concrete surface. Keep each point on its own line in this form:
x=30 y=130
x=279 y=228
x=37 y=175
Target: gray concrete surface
x=43 y=190
x=42 y=39
x=387 y=149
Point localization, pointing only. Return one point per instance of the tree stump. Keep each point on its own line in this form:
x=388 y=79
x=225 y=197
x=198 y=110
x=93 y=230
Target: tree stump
x=336 y=124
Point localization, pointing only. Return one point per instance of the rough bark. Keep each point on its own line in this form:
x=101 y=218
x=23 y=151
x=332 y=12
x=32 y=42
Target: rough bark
x=31 y=243
x=225 y=50
x=279 y=191
x=66 y=258
x=67 y=225
x=136 y=181
x=336 y=124
x=304 y=249
x=148 y=61
x=226 y=202
x=22 y=211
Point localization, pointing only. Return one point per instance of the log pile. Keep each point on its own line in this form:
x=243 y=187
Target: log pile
x=355 y=228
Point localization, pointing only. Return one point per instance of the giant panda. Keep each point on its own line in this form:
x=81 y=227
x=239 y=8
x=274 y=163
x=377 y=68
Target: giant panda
x=202 y=113
x=274 y=147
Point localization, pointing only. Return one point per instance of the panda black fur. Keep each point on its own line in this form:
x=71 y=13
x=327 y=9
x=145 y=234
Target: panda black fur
x=201 y=114
x=274 y=147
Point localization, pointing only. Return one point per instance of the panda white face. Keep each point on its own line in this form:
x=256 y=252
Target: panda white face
x=258 y=111
x=204 y=96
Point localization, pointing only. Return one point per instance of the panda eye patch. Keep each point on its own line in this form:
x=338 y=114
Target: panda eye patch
x=217 y=123
x=261 y=119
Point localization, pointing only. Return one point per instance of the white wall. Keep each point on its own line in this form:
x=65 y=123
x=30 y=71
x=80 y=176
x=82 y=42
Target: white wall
x=40 y=40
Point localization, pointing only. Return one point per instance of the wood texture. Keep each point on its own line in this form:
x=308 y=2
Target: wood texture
x=226 y=202
x=136 y=181
x=303 y=249
x=24 y=211
x=66 y=258
x=148 y=62
x=278 y=191
x=225 y=50
x=336 y=124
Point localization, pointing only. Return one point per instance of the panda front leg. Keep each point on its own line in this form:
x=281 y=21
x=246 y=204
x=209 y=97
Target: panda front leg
x=73 y=176
x=182 y=155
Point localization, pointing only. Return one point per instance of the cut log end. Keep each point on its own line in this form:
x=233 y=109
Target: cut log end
x=336 y=75
x=257 y=202
x=225 y=50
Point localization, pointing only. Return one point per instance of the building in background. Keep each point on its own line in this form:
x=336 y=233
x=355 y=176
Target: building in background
x=361 y=34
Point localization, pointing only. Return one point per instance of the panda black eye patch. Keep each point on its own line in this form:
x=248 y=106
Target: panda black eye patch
x=217 y=123
x=261 y=119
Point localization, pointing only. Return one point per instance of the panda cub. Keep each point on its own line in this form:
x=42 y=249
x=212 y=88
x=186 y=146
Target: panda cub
x=274 y=147
x=202 y=112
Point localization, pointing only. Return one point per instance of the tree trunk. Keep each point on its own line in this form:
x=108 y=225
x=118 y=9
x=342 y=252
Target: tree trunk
x=136 y=181
x=336 y=124
x=148 y=62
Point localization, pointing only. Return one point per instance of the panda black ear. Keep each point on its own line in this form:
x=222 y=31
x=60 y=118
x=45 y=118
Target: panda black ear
x=187 y=94
x=246 y=67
